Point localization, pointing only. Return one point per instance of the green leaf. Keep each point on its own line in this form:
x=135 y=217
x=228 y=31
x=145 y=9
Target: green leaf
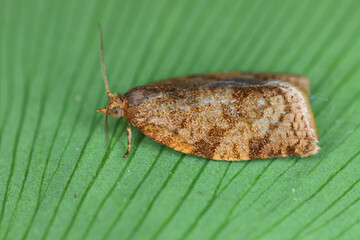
x=58 y=180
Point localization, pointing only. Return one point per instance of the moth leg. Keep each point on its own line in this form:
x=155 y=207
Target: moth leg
x=128 y=133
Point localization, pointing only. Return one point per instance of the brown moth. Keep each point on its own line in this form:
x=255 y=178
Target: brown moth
x=222 y=116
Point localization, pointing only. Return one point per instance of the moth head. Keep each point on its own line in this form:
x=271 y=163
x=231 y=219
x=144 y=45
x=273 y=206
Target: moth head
x=114 y=108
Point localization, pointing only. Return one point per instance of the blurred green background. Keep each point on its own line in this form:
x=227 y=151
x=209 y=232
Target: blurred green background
x=57 y=181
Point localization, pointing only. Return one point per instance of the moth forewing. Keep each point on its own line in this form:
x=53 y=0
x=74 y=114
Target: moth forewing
x=225 y=116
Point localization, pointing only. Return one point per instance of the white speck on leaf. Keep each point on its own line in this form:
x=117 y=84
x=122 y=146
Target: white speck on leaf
x=77 y=98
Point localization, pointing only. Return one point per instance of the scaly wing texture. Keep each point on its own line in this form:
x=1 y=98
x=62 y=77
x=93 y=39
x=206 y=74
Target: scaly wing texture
x=225 y=117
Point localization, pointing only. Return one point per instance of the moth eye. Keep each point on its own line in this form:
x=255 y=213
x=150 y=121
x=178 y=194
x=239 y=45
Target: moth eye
x=116 y=112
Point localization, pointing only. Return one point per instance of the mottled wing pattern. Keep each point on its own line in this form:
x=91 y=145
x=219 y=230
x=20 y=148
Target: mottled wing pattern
x=226 y=118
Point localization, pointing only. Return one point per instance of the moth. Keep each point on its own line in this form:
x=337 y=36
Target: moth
x=221 y=116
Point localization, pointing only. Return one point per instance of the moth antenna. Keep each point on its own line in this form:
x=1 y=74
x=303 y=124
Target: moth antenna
x=106 y=84
x=103 y=61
